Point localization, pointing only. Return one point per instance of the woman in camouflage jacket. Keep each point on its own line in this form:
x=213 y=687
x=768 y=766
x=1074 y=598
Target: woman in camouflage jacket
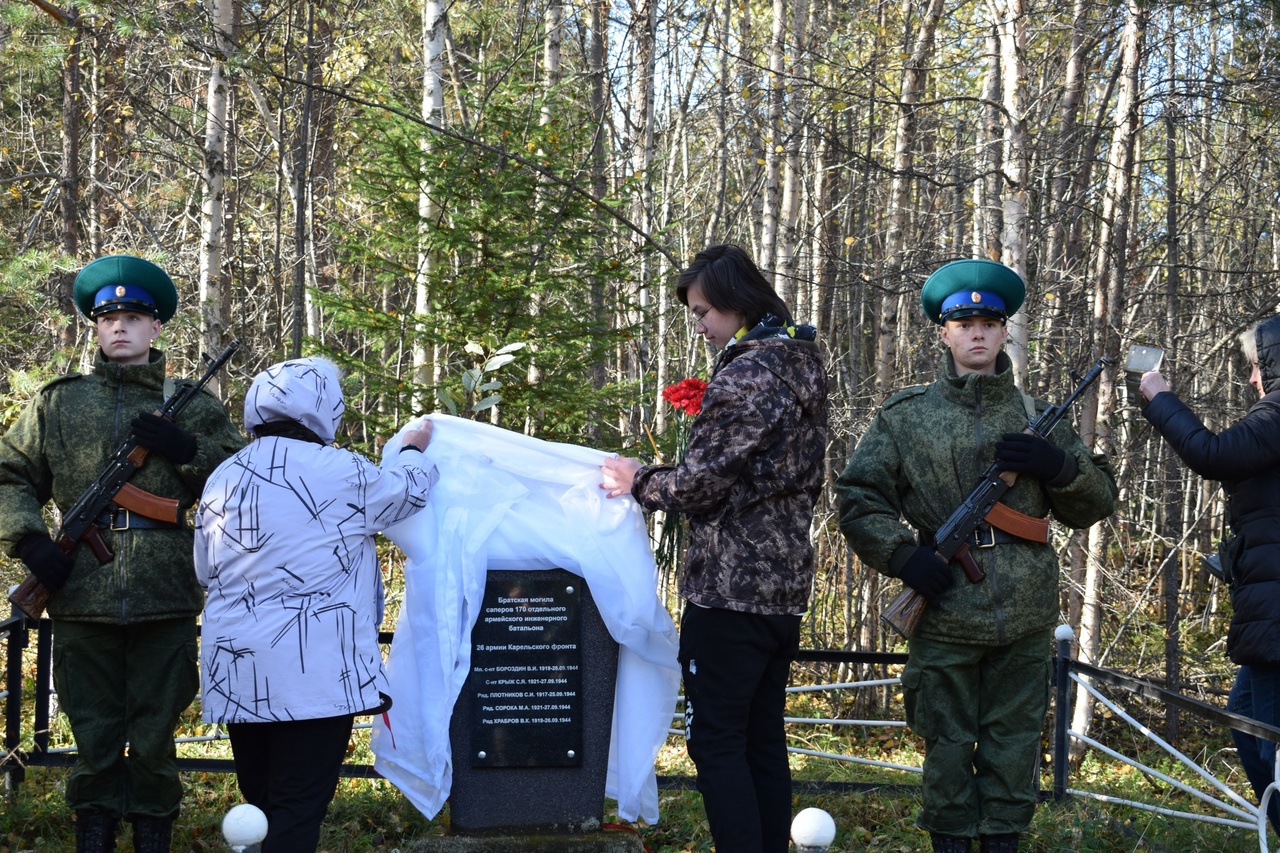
x=748 y=484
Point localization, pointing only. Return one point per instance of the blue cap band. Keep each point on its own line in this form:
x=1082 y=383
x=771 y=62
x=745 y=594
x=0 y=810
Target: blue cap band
x=123 y=297
x=969 y=302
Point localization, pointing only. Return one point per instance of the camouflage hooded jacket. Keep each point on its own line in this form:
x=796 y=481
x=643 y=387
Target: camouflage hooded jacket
x=917 y=461
x=57 y=448
x=750 y=478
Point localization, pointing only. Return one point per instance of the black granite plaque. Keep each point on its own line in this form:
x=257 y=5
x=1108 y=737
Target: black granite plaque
x=526 y=672
x=523 y=799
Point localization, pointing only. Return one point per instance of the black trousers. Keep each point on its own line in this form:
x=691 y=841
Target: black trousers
x=290 y=770
x=735 y=668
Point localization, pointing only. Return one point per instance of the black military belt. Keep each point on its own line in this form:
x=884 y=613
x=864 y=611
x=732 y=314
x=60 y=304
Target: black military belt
x=984 y=536
x=123 y=519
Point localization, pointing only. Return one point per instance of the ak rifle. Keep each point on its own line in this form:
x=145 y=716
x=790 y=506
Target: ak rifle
x=951 y=541
x=80 y=523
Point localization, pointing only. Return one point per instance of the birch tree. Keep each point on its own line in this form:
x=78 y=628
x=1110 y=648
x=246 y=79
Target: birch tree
x=1109 y=271
x=913 y=80
x=426 y=367
x=773 y=134
x=212 y=314
x=1011 y=35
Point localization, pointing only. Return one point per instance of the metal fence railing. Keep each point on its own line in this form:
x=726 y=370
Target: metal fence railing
x=28 y=713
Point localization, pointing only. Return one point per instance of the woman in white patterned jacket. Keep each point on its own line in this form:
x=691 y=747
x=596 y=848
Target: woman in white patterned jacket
x=284 y=546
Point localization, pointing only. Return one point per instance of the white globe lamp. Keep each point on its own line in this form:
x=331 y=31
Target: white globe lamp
x=244 y=826
x=813 y=830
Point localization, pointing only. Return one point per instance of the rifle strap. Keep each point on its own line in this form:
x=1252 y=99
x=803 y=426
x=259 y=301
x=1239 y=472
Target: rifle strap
x=1019 y=524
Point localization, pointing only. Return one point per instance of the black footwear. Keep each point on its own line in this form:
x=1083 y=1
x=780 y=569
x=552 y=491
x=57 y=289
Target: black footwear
x=1006 y=843
x=950 y=843
x=95 y=832
x=152 y=834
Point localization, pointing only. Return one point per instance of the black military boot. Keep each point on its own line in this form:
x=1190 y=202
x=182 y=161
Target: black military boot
x=1006 y=843
x=95 y=832
x=950 y=843
x=152 y=834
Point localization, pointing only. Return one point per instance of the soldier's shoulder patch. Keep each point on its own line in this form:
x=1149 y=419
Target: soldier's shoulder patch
x=904 y=395
x=68 y=377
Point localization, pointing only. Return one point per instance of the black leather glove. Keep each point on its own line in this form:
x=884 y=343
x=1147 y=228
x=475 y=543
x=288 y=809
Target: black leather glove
x=1027 y=453
x=45 y=560
x=925 y=572
x=163 y=436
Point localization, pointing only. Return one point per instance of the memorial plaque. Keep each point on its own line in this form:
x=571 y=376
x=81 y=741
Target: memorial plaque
x=526 y=672
x=523 y=798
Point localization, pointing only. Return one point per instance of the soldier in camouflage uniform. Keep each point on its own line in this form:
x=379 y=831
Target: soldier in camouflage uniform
x=125 y=631
x=976 y=686
x=748 y=483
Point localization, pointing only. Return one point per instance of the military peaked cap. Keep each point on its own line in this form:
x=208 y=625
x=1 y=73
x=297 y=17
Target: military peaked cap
x=971 y=287
x=125 y=283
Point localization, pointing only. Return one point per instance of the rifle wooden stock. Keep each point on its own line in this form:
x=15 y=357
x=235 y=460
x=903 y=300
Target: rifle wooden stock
x=904 y=612
x=31 y=596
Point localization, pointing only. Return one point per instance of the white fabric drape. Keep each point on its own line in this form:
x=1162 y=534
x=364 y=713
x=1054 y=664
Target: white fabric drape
x=507 y=501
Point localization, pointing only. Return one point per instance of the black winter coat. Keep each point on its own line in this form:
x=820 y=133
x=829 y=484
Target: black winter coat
x=1246 y=458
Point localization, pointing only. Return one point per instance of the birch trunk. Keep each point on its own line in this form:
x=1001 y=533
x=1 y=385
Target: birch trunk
x=913 y=80
x=553 y=33
x=773 y=137
x=986 y=189
x=1058 y=267
x=724 y=93
x=641 y=122
x=789 y=284
x=1110 y=270
x=1172 y=525
x=213 y=321
x=597 y=165
x=1010 y=17
x=425 y=364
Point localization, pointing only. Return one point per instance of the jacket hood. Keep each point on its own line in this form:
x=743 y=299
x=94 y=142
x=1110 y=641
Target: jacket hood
x=1268 y=339
x=305 y=390
x=797 y=362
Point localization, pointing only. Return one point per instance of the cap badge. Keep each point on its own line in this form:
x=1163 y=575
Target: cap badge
x=975 y=297
x=120 y=291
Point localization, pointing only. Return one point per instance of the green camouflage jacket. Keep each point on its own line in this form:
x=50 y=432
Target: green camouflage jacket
x=750 y=478
x=919 y=458
x=57 y=448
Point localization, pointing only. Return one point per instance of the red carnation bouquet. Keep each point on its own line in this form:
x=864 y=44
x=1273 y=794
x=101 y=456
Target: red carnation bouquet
x=686 y=395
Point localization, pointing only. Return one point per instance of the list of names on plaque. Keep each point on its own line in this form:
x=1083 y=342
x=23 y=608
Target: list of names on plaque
x=526 y=672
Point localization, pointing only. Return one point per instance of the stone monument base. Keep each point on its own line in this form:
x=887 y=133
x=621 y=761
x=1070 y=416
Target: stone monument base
x=587 y=842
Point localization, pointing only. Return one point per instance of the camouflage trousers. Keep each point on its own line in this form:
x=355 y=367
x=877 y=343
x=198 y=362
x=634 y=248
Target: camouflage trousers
x=121 y=684
x=980 y=710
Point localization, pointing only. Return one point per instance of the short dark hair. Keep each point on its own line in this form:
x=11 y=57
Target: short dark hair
x=731 y=282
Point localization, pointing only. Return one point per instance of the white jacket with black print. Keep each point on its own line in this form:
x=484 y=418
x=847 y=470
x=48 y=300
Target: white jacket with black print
x=284 y=546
